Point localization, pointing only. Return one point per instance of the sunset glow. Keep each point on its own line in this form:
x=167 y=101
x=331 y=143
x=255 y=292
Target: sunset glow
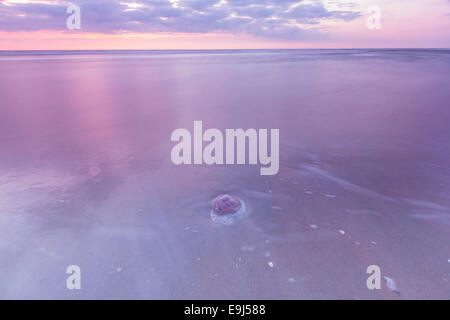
x=214 y=24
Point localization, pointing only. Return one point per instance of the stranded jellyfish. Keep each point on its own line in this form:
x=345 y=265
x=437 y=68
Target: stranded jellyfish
x=225 y=209
x=226 y=204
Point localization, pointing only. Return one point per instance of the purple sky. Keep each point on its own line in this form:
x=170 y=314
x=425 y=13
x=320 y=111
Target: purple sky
x=207 y=23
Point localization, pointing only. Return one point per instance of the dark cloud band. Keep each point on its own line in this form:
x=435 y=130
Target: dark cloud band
x=265 y=18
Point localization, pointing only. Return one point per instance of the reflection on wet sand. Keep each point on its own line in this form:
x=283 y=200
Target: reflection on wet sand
x=86 y=176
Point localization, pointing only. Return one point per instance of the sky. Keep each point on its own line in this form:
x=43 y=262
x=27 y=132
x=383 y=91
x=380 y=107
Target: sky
x=223 y=24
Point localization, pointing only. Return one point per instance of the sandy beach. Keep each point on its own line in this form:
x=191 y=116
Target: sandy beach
x=86 y=177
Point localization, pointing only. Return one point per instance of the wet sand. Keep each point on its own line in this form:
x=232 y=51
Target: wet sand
x=86 y=177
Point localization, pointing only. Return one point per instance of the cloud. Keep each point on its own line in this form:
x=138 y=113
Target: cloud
x=264 y=18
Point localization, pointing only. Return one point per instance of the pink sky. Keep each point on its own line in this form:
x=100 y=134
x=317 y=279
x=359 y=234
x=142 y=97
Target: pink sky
x=25 y=25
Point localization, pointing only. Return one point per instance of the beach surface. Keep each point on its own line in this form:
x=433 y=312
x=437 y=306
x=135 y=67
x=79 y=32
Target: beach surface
x=86 y=176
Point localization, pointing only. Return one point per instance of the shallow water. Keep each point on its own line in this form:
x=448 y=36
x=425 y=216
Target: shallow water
x=86 y=177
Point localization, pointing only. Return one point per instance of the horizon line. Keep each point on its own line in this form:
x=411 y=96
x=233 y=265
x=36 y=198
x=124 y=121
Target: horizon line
x=227 y=49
